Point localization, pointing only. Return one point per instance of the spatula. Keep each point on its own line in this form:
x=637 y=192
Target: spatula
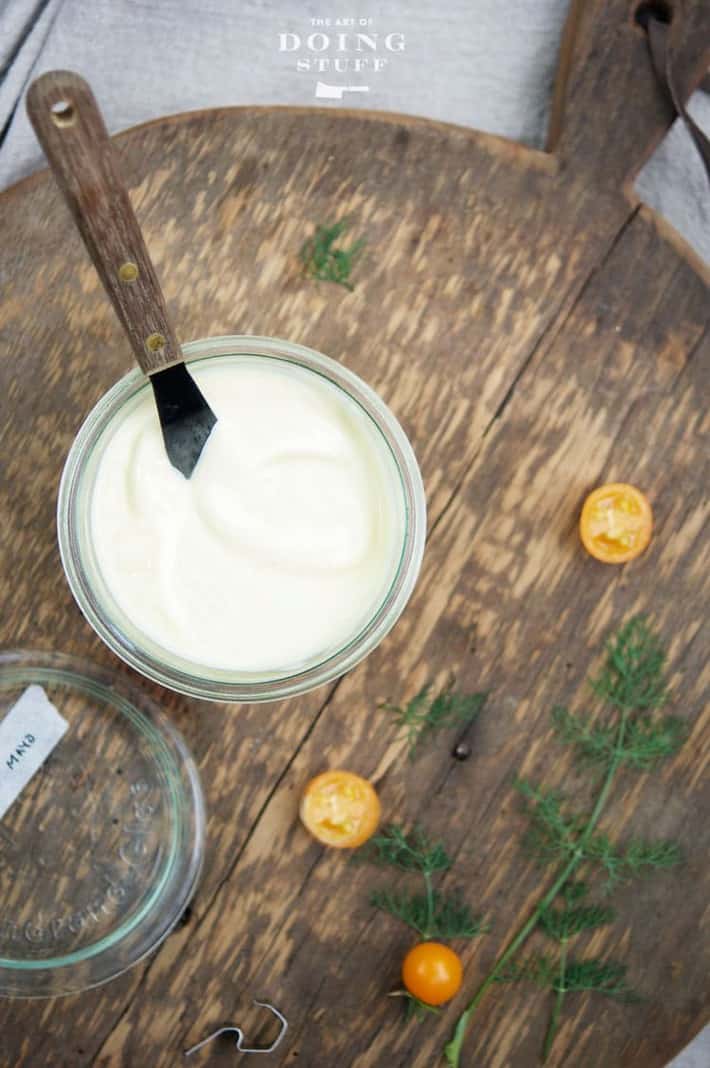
x=71 y=130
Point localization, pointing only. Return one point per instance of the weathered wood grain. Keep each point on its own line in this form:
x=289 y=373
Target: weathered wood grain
x=534 y=335
x=543 y=608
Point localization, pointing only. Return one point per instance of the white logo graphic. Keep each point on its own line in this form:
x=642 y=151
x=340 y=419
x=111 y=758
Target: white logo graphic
x=341 y=46
x=335 y=92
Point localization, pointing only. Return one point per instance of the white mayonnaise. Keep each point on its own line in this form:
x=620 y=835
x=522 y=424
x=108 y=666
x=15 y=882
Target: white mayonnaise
x=280 y=546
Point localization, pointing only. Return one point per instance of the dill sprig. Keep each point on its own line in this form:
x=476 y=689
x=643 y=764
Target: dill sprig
x=563 y=923
x=322 y=260
x=648 y=740
x=632 y=684
x=450 y=917
x=573 y=890
x=568 y=974
x=639 y=857
x=606 y=977
x=591 y=974
x=394 y=848
x=551 y=833
x=427 y=713
x=632 y=675
x=554 y=833
x=431 y=914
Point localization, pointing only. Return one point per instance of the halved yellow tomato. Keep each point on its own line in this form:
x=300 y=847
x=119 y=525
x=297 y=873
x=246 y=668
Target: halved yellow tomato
x=616 y=523
x=340 y=809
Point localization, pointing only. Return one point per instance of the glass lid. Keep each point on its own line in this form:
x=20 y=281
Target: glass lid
x=101 y=825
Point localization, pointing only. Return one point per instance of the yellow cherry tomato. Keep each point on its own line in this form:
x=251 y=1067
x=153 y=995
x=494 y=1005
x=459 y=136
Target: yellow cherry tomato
x=616 y=523
x=432 y=972
x=340 y=809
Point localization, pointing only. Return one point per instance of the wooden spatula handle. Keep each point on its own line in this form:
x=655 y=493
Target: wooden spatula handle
x=71 y=130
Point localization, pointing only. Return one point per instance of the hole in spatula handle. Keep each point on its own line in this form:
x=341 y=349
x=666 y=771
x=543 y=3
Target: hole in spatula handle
x=642 y=13
x=63 y=113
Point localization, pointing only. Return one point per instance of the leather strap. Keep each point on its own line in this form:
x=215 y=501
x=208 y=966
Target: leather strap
x=657 y=32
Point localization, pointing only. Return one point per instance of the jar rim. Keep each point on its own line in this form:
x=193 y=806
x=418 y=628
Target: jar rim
x=211 y=683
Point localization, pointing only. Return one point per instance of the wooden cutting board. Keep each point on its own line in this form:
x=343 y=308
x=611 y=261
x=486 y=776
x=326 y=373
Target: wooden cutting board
x=536 y=336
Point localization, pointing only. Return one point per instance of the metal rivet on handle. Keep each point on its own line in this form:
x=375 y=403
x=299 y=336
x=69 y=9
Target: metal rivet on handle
x=128 y=271
x=155 y=342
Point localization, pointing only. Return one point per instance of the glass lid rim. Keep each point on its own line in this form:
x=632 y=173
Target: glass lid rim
x=135 y=937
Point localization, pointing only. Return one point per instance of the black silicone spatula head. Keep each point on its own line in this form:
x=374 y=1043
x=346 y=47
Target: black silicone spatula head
x=185 y=416
x=71 y=130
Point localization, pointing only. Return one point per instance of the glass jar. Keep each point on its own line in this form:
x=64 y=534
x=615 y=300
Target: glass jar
x=139 y=650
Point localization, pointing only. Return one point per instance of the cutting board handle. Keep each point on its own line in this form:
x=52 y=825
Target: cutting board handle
x=71 y=130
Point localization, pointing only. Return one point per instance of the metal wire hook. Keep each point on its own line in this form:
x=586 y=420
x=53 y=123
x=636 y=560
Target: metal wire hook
x=240 y=1034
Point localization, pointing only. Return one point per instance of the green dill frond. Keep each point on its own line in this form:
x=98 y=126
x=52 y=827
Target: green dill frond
x=451 y=917
x=412 y=717
x=425 y=714
x=593 y=741
x=632 y=675
x=552 y=833
x=562 y=924
x=640 y=857
x=643 y=856
x=411 y=909
x=408 y=852
x=600 y=850
x=599 y=976
x=650 y=740
x=536 y=968
x=631 y=681
x=323 y=261
x=606 y=977
x=573 y=890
